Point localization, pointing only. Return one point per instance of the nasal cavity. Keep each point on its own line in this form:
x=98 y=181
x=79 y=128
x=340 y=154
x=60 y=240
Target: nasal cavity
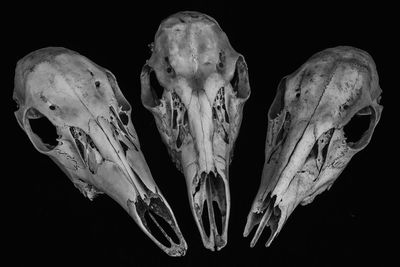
x=217 y=217
x=153 y=222
x=155 y=85
x=205 y=219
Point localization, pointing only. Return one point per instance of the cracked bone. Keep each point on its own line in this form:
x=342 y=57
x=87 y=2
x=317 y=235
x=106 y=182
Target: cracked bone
x=205 y=85
x=97 y=146
x=307 y=146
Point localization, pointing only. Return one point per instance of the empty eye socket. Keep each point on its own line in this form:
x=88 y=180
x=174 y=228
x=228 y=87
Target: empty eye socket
x=359 y=129
x=155 y=85
x=152 y=91
x=278 y=104
x=122 y=102
x=240 y=79
x=43 y=133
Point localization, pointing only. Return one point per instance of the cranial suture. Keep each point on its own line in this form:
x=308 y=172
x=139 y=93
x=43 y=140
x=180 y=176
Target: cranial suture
x=307 y=145
x=199 y=112
x=95 y=144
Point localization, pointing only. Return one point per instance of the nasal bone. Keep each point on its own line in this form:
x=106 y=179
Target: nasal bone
x=297 y=158
x=200 y=116
x=103 y=129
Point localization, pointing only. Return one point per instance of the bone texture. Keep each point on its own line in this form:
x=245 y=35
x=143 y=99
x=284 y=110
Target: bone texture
x=97 y=146
x=198 y=114
x=307 y=146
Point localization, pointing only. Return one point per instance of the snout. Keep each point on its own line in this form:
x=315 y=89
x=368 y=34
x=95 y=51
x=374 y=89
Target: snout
x=209 y=198
x=288 y=178
x=124 y=175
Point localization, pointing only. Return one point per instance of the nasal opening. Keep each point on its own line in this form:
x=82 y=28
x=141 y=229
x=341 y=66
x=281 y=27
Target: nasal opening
x=206 y=219
x=267 y=215
x=211 y=196
x=160 y=224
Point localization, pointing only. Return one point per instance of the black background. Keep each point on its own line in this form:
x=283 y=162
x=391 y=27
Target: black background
x=53 y=224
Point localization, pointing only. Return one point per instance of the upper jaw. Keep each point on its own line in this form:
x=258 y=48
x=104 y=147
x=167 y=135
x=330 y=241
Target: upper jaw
x=144 y=202
x=134 y=190
x=209 y=198
x=289 y=140
x=291 y=172
x=123 y=174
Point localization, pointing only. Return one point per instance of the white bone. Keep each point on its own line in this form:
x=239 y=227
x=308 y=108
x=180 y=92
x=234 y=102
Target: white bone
x=200 y=111
x=306 y=146
x=96 y=148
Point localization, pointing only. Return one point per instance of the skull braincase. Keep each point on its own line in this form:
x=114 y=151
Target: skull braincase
x=41 y=92
x=306 y=146
x=199 y=112
x=97 y=146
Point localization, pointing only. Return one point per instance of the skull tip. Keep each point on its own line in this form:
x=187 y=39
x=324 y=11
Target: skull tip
x=177 y=250
x=158 y=222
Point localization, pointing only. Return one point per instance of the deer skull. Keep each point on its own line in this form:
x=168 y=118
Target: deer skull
x=306 y=145
x=97 y=146
x=199 y=112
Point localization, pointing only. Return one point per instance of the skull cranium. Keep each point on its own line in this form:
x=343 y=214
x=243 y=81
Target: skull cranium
x=306 y=146
x=97 y=146
x=199 y=113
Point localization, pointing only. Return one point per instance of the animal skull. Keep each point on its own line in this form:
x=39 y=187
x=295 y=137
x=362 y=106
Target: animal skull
x=199 y=113
x=97 y=146
x=306 y=145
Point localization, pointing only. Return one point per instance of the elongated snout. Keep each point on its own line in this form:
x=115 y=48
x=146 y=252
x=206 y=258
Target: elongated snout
x=207 y=183
x=281 y=189
x=124 y=175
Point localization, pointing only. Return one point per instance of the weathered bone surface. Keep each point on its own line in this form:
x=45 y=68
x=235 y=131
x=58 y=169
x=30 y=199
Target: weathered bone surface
x=97 y=146
x=306 y=144
x=199 y=113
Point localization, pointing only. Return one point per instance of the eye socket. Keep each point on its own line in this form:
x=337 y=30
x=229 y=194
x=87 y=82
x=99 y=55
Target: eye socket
x=152 y=90
x=155 y=85
x=278 y=104
x=359 y=129
x=43 y=133
x=122 y=102
x=240 y=79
